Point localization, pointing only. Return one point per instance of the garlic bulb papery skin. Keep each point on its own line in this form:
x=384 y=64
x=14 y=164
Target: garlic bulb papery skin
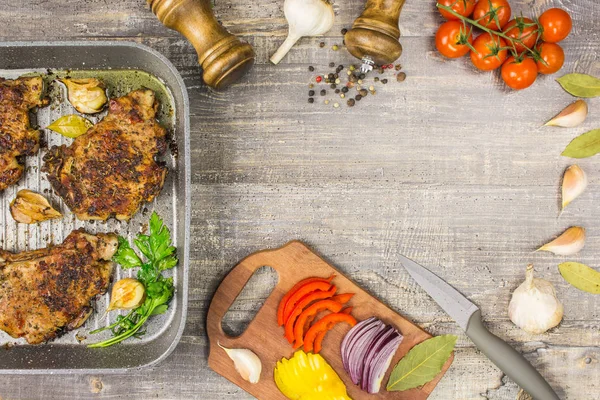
x=568 y=243
x=534 y=306
x=246 y=363
x=574 y=183
x=305 y=18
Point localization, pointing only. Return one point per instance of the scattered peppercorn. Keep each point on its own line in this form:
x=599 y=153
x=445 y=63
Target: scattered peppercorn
x=344 y=31
x=376 y=79
x=310 y=86
x=335 y=47
x=332 y=86
x=330 y=76
x=380 y=70
x=398 y=67
x=363 y=92
x=360 y=81
x=336 y=105
x=318 y=78
x=311 y=92
x=351 y=102
x=361 y=76
x=337 y=80
x=331 y=64
x=371 y=88
x=311 y=100
x=323 y=92
x=322 y=44
x=344 y=89
x=342 y=95
x=384 y=81
x=311 y=68
x=337 y=91
x=352 y=67
x=401 y=77
x=358 y=97
x=326 y=102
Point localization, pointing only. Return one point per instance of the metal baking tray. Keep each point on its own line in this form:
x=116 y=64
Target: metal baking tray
x=127 y=66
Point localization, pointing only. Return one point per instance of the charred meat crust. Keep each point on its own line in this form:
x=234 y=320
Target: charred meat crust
x=48 y=291
x=112 y=169
x=17 y=138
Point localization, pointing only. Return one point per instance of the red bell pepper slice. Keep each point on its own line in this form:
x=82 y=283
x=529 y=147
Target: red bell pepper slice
x=321 y=335
x=300 y=293
x=312 y=311
x=303 y=303
x=323 y=326
x=293 y=290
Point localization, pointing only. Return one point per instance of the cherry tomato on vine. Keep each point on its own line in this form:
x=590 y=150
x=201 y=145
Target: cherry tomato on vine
x=488 y=54
x=452 y=37
x=553 y=55
x=519 y=74
x=491 y=12
x=462 y=7
x=556 y=25
x=523 y=29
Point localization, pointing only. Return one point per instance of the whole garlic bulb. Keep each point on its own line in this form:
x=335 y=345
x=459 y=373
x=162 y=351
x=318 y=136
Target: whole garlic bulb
x=534 y=306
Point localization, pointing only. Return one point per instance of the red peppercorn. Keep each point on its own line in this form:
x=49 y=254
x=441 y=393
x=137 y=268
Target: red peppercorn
x=319 y=79
x=384 y=66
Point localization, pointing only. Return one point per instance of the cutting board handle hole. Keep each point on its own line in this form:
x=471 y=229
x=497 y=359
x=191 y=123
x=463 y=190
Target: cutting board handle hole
x=249 y=301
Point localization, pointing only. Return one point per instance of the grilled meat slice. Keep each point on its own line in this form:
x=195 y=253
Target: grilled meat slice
x=48 y=291
x=111 y=170
x=17 y=138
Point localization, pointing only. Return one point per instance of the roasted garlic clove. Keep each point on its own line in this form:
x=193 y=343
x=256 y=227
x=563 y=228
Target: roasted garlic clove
x=30 y=207
x=86 y=95
x=127 y=294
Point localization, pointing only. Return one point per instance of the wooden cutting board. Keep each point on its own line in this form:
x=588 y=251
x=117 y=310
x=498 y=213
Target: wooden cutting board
x=294 y=262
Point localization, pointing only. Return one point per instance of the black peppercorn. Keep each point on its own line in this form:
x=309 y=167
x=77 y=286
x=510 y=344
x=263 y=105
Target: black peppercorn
x=363 y=92
x=323 y=92
x=345 y=89
x=376 y=79
x=322 y=44
x=331 y=64
x=311 y=92
x=332 y=86
x=311 y=68
x=331 y=77
x=351 y=102
x=311 y=100
x=337 y=91
x=384 y=81
x=344 y=31
x=361 y=76
x=358 y=97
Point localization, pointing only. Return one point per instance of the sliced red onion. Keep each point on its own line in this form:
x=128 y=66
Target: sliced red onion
x=367 y=351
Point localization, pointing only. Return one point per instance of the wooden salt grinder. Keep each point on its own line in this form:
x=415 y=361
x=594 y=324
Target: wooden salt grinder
x=223 y=58
x=375 y=32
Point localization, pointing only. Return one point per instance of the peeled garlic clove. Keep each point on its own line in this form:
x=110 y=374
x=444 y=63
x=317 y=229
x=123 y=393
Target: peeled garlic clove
x=86 y=95
x=30 y=207
x=570 y=117
x=246 y=363
x=574 y=183
x=568 y=243
x=534 y=306
x=127 y=294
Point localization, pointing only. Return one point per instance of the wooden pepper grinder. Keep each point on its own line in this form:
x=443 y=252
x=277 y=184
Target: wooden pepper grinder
x=222 y=56
x=374 y=34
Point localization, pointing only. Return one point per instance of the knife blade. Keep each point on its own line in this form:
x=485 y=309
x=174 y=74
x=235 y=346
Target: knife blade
x=468 y=316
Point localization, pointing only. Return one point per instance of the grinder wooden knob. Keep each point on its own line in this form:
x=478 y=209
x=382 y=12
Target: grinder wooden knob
x=375 y=32
x=222 y=56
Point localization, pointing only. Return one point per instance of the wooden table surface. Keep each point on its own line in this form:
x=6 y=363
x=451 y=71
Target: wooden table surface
x=449 y=168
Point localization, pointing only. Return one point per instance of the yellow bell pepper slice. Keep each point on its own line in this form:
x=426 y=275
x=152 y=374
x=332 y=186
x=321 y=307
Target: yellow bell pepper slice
x=309 y=377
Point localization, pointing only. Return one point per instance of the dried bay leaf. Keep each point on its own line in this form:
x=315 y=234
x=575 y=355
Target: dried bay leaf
x=71 y=126
x=422 y=363
x=580 y=85
x=581 y=276
x=585 y=145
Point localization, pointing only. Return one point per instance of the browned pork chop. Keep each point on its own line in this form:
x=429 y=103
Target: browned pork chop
x=48 y=291
x=111 y=170
x=17 y=138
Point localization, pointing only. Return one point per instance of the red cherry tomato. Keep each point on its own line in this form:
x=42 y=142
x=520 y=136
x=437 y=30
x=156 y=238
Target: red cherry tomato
x=519 y=74
x=491 y=12
x=553 y=55
x=462 y=7
x=556 y=25
x=488 y=54
x=523 y=29
x=452 y=37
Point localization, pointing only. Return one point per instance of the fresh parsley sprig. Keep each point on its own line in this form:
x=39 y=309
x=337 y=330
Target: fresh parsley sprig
x=159 y=255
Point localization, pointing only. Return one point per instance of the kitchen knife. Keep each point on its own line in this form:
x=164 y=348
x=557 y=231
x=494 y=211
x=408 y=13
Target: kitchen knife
x=468 y=316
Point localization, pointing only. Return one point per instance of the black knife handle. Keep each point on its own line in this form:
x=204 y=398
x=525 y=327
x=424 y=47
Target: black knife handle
x=509 y=360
